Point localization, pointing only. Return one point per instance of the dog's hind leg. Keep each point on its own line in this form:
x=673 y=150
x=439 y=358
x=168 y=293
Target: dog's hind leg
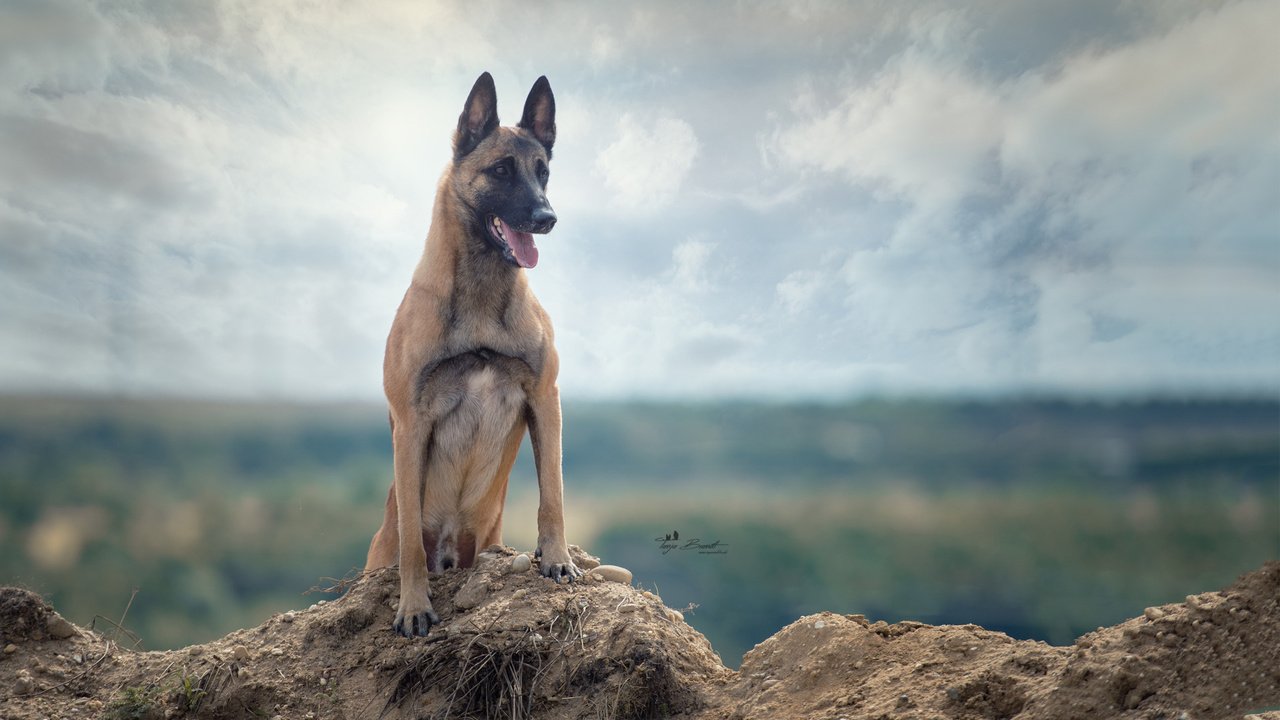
x=386 y=542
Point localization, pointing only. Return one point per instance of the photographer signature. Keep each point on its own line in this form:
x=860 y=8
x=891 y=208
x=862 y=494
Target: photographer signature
x=671 y=541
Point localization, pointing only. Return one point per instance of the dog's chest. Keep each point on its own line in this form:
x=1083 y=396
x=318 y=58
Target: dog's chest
x=459 y=378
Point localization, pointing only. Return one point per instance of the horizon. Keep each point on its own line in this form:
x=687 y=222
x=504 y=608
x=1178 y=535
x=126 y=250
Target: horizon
x=1122 y=398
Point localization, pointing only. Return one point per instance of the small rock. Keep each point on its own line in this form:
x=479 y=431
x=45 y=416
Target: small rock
x=496 y=586
x=769 y=683
x=472 y=592
x=1134 y=698
x=24 y=683
x=10 y=649
x=277 y=651
x=818 y=625
x=58 y=627
x=239 y=653
x=313 y=606
x=582 y=559
x=520 y=593
x=648 y=595
x=324 y=681
x=1153 y=613
x=195 y=651
x=521 y=563
x=288 y=617
x=675 y=615
x=322 y=602
x=535 y=638
x=614 y=573
x=628 y=607
x=597 y=577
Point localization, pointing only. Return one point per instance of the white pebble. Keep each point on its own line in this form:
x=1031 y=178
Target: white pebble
x=521 y=563
x=614 y=573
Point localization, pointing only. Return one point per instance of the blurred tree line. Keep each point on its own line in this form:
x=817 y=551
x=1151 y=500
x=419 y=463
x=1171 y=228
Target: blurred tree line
x=1040 y=517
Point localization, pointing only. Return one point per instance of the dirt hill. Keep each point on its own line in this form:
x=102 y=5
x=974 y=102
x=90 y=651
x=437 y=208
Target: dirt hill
x=515 y=645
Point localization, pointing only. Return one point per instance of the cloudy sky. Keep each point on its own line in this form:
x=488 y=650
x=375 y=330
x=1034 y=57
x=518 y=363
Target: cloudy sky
x=756 y=199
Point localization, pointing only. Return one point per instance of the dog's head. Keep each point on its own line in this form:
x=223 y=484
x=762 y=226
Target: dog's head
x=501 y=173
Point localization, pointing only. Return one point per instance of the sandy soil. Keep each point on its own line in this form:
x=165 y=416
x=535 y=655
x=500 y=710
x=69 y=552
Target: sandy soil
x=515 y=645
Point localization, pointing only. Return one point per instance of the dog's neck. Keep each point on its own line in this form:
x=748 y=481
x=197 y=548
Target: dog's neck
x=482 y=284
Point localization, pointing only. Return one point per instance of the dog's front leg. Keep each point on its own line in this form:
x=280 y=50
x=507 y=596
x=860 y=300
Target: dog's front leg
x=415 y=616
x=544 y=435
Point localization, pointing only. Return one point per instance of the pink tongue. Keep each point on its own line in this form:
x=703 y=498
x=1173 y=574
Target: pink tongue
x=521 y=244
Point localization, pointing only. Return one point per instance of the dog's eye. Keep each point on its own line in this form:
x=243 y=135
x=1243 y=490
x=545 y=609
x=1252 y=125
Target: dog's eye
x=543 y=173
x=501 y=170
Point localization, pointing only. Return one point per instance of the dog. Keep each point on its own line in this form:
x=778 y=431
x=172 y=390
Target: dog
x=470 y=361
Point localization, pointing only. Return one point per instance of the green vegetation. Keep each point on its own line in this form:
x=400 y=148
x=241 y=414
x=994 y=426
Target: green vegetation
x=133 y=703
x=1043 y=518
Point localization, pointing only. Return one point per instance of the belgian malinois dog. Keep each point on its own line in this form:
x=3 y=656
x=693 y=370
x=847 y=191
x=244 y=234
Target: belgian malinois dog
x=470 y=362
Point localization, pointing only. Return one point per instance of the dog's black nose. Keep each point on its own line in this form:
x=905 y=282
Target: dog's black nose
x=543 y=219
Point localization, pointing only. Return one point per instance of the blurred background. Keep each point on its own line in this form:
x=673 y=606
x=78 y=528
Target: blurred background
x=952 y=314
x=1042 y=518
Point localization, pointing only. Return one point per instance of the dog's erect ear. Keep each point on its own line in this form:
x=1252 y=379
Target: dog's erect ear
x=540 y=113
x=479 y=117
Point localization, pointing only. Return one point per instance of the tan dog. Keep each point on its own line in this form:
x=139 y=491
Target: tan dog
x=470 y=362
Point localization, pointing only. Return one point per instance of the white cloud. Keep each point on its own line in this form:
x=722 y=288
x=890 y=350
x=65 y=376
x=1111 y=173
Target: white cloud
x=229 y=198
x=1123 y=168
x=644 y=167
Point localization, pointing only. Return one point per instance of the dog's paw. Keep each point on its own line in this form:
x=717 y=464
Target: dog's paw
x=409 y=623
x=557 y=565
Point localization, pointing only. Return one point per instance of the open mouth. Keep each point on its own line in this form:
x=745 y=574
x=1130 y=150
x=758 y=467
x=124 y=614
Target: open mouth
x=516 y=246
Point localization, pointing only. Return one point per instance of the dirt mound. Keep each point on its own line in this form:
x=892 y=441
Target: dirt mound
x=516 y=645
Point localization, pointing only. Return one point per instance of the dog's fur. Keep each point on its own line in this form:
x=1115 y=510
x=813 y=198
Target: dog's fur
x=470 y=362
